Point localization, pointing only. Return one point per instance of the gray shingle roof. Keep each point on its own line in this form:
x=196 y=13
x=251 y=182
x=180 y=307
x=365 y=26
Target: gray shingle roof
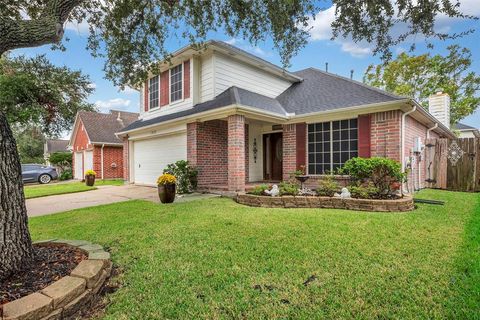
x=322 y=91
x=101 y=127
x=461 y=126
x=319 y=91
x=56 y=145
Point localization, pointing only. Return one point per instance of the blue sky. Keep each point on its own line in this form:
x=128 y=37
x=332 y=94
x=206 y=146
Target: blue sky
x=342 y=55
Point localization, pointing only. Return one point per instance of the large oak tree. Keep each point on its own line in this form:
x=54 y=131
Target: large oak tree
x=131 y=35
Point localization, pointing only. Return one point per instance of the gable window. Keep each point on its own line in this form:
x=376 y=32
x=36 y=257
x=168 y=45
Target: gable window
x=176 y=86
x=153 y=92
x=331 y=144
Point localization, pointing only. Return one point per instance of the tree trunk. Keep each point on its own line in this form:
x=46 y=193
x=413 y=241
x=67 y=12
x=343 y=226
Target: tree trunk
x=16 y=249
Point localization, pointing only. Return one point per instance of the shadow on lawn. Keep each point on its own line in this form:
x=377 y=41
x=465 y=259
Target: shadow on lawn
x=464 y=303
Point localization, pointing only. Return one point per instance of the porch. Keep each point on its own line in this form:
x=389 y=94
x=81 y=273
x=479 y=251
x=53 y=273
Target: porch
x=235 y=153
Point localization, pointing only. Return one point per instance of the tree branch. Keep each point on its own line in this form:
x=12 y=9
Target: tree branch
x=36 y=32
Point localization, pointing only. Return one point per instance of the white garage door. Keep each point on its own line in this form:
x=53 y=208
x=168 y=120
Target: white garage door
x=88 y=160
x=153 y=155
x=78 y=165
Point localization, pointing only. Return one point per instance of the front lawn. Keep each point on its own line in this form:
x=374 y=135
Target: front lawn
x=218 y=259
x=35 y=191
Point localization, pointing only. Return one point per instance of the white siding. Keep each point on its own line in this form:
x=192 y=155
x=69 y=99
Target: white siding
x=206 y=78
x=231 y=72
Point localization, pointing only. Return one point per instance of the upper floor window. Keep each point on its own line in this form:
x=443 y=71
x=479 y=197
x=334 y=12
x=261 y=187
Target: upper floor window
x=153 y=92
x=176 y=83
x=331 y=144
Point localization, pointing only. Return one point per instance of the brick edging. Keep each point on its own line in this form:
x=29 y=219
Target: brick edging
x=67 y=296
x=397 y=205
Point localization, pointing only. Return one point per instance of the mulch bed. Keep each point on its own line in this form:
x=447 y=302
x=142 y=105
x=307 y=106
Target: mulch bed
x=52 y=262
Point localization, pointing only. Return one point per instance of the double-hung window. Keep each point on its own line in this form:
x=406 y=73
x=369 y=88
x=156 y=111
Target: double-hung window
x=176 y=83
x=153 y=92
x=331 y=144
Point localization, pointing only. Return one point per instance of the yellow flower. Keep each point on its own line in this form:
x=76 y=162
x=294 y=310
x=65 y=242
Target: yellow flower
x=90 y=173
x=166 y=178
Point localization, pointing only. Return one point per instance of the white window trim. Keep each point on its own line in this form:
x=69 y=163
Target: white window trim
x=170 y=85
x=307 y=170
x=158 y=106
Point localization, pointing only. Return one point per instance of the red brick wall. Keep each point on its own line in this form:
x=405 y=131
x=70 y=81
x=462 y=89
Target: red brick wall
x=236 y=153
x=110 y=155
x=414 y=129
x=385 y=134
x=289 y=150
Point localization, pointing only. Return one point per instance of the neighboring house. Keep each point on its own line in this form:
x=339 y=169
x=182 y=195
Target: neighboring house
x=466 y=131
x=95 y=146
x=52 y=146
x=241 y=119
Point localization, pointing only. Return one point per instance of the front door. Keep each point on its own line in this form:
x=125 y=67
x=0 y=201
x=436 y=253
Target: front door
x=272 y=156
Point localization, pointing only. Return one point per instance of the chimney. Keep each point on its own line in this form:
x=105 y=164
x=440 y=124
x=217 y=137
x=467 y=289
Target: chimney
x=439 y=107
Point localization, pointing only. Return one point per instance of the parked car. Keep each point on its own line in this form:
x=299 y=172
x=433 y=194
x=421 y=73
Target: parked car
x=38 y=173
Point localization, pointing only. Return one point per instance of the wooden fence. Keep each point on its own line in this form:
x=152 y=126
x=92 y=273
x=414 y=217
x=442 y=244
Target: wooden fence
x=453 y=164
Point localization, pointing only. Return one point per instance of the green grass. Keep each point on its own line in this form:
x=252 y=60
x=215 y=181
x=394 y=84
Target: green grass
x=35 y=191
x=208 y=259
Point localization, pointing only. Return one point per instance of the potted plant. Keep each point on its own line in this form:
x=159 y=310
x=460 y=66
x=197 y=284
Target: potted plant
x=166 y=187
x=90 y=177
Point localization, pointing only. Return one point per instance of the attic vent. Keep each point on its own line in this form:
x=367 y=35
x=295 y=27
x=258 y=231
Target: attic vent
x=384 y=116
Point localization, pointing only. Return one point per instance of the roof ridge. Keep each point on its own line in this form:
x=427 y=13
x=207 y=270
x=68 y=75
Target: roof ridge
x=366 y=86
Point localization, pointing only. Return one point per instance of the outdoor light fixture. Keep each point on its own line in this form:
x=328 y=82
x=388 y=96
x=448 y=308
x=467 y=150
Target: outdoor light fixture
x=255 y=150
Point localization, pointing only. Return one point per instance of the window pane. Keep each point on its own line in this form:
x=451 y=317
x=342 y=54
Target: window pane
x=344 y=135
x=335 y=135
x=336 y=125
x=353 y=123
x=176 y=75
x=153 y=87
x=353 y=134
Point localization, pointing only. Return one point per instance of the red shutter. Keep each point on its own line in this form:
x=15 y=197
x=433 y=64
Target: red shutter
x=186 y=79
x=364 y=128
x=301 y=137
x=145 y=100
x=164 y=88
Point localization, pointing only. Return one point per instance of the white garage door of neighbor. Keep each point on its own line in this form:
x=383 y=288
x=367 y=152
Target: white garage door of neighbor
x=79 y=165
x=153 y=155
x=88 y=160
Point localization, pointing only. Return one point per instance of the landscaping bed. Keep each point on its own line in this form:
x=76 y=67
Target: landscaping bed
x=63 y=280
x=393 y=205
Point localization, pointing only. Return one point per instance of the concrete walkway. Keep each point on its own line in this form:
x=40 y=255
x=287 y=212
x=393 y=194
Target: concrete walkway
x=103 y=195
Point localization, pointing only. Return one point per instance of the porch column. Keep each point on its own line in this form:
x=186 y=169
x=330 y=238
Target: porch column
x=289 y=163
x=236 y=153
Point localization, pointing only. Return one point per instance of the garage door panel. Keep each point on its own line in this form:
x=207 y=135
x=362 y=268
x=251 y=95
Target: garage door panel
x=78 y=165
x=153 y=155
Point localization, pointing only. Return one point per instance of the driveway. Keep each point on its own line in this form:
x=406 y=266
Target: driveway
x=102 y=195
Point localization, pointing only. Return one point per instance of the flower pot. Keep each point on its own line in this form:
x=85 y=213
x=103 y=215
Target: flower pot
x=90 y=180
x=166 y=192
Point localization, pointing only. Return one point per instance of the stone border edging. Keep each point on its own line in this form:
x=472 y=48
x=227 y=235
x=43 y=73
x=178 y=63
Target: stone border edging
x=65 y=297
x=397 y=205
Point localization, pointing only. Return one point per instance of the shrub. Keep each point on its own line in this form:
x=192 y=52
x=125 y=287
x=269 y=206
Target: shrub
x=368 y=191
x=63 y=160
x=166 y=178
x=288 y=188
x=259 y=190
x=327 y=186
x=65 y=175
x=186 y=175
x=383 y=173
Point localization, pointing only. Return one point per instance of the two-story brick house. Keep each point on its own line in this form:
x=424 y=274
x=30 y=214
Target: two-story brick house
x=240 y=119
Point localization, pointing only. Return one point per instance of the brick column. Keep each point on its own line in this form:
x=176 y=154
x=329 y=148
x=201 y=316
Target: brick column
x=236 y=153
x=289 y=163
x=192 y=149
x=126 y=162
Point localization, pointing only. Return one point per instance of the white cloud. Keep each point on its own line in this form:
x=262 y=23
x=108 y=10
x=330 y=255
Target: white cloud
x=113 y=104
x=320 y=29
x=244 y=45
x=81 y=28
x=92 y=85
x=128 y=90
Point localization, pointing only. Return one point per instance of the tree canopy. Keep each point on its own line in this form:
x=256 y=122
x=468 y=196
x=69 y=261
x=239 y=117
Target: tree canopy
x=132 y=35
x=30 y=143
x=420 y=76
x=34 y=91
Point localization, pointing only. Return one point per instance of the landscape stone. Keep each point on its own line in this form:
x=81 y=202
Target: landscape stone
x=90 y=270
x=91 y=247
x=99 y=255
x=33 y=306
x=55 y=315
x=64 y=290
x=79 y=303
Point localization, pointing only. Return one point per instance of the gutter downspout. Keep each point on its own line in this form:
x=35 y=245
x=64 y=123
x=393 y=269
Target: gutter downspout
x=402 y=139
x=101 y=159
x=430 y=129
